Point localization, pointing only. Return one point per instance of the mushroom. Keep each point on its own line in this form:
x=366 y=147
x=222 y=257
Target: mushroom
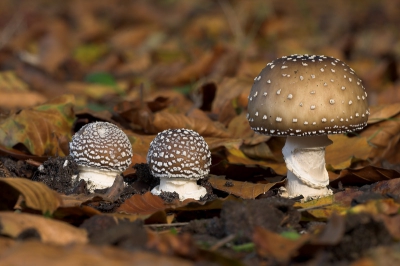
x=102 y=151
x=179 y=157
x=305 y=98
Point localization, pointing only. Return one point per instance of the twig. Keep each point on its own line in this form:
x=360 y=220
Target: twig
x=166 y=225
x=314 y=207
x=222 y=242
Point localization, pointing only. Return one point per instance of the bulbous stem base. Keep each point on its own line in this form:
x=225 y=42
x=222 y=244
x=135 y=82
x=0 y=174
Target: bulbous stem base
x=186 y=188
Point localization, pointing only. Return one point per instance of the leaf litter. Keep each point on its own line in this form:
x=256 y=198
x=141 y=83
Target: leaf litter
x=147 y=66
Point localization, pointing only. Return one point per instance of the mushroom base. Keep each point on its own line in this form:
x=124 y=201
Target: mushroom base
x=97 y=179
x=305 y=161
x=187 y=189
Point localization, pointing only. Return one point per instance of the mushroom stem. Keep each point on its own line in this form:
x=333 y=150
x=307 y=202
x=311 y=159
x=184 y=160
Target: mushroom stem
x=97 y=179
x=187 y=189
x=305 y=161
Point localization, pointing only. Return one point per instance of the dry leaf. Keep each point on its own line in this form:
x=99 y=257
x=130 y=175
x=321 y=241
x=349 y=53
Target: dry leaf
x=50 y=231
x=245 y=190
x=345 y=150
x=40 y=129
x=274 y=246
x=36 y=195
x=36 y=253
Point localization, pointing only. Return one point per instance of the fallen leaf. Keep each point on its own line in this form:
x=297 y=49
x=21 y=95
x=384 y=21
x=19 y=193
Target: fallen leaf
x=363 y=176
x=50 y=231
x=276 y=247
x=345 y=150
x=245 y=190
x=39 y=129
x=36 y=253
x=36 y=195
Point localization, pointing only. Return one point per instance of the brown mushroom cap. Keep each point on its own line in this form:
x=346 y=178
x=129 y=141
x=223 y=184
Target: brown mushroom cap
x=179 y=153
x=301 y=95
x=101 y=145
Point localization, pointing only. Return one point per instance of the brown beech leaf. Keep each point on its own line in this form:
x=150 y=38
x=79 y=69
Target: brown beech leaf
x=41 y=128
x=245 y=190
x=35 y=195
x=273 y=245
x=142 y=204
x=383 y=112
x=345 y=150
x=192 y=71
x=366 y=175
x=37 y=253
x=50 y=231
x=240 y=128
x=385 y=139
x=148 y=203
x=206 y=128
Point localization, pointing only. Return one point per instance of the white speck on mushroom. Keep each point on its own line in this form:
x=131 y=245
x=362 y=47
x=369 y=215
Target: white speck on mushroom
x=265 y=117
x=332 y=101
x=333 y=64
x=272 y=66
x=350 y=102
x=305 y=123
x=314 y=123
x=255 y=94
x=323 y=120
x=294 y=120
x=269 y=81
x=312 y=107
x=256 y=114
x=313 y=76
x=312 y=92
x=325 y=84
x=333 y=70
x=343 y=88
x=332 y=120
x=283 y=67
x=322 y=70
x=301 y=78
x=265 y=93
x=304 y=64
x=278 y=91
x=341 y=119
x=350 y=79
x=357 y=114
x=259 y=77
x=332 y=80
x=278 y=119
x=290 y=96
x=301 y=104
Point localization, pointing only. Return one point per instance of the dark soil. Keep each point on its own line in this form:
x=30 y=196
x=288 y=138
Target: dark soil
x=236 y=220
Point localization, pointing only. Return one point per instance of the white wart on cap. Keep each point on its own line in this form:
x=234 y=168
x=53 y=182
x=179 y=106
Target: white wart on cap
x=304 y=98
x=179 y=157
x=302 y=95
x=102 y=151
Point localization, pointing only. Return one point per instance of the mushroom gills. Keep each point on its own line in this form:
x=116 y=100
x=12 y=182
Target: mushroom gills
x=305 y=161
x=186 y=188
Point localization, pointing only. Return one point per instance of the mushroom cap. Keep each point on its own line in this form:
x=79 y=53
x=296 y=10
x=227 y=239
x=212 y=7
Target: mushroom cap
x=101 y=145
x=301 y=95
x=179 y=153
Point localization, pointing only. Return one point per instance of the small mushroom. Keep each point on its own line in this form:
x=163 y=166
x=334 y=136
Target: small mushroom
x=179 y=157
x=102 y=151
x=326 y=97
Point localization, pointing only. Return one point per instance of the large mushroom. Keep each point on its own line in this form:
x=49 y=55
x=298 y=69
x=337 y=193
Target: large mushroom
x=179 y=157
x=102 y=151
x=305 y=98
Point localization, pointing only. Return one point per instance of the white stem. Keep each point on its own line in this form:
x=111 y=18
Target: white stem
x=186 y=188
x=305 y=161
x=97 y=179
